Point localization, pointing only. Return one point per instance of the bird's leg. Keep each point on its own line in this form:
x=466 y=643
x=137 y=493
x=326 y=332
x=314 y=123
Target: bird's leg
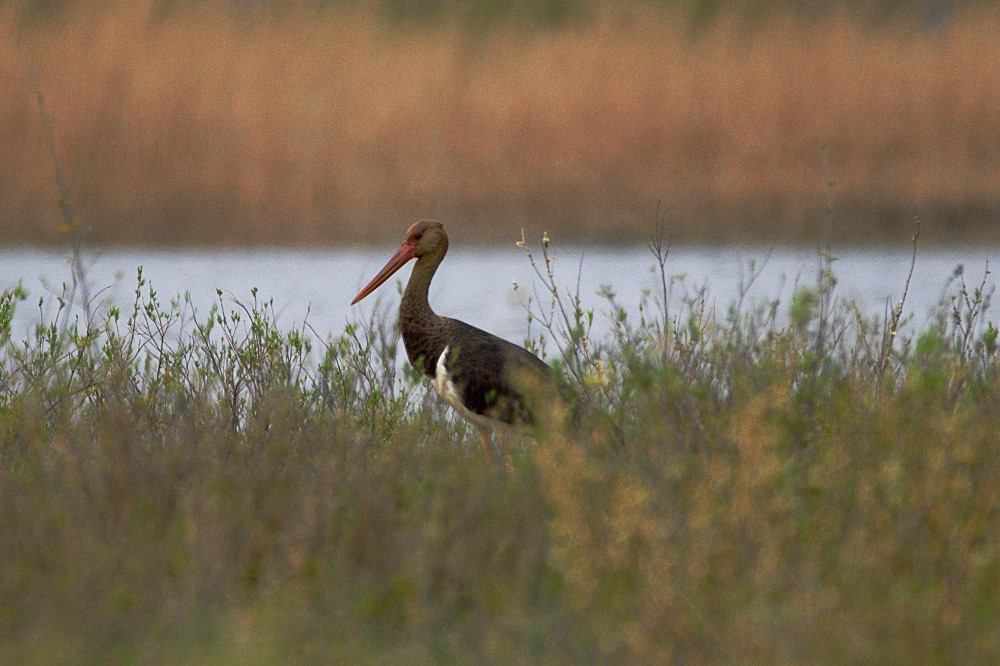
x=501 y=441
x=502 y=445
x=486 y=446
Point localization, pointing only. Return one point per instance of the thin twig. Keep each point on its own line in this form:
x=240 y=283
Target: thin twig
x=72 y=222
x=661 y=253
x=897 y=312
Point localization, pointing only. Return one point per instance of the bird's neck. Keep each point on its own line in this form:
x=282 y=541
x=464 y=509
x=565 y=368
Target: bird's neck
x=415 y=303
x=422 y=329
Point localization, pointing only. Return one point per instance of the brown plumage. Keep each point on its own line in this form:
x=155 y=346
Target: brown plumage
x=487 y=379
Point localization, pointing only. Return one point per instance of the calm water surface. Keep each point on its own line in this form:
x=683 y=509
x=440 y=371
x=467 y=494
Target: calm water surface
x=477 y=285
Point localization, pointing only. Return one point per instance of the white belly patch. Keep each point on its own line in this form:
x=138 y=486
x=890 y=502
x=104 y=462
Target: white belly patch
x=446 y=388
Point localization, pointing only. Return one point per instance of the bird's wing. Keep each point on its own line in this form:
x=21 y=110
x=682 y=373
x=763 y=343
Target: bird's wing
x=495 y=377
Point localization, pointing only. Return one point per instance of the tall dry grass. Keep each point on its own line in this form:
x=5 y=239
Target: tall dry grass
x=198 y=125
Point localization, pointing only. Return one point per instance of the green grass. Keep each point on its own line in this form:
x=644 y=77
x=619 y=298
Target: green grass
x=180 y=486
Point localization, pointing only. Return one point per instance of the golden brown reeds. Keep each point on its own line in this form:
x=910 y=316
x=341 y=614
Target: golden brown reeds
x=200 y=126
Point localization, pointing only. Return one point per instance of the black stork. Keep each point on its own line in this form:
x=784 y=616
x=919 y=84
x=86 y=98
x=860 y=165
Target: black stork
x=491 y=382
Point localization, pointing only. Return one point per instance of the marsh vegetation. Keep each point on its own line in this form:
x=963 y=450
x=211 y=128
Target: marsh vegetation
x=189 y=486
x=783 y=480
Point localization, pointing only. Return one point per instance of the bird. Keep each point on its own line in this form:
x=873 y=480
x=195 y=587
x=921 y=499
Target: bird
x=491 y=382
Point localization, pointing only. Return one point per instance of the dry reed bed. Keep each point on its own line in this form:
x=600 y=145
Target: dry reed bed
x=199 y=127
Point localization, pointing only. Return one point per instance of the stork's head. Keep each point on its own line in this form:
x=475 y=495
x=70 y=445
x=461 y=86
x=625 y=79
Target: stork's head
x=424 y=238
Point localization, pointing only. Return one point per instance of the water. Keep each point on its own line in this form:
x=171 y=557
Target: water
x=477 y=285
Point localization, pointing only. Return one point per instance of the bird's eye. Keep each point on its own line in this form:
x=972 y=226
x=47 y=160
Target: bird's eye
x=417 y=236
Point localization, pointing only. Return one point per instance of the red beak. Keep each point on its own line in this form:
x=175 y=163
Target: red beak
x=403 y=255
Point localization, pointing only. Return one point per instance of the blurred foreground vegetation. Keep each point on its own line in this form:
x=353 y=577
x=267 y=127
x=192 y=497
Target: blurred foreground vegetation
x=783 y=482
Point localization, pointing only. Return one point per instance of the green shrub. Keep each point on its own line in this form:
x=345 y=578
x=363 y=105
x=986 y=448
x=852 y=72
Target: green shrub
x=186 y=486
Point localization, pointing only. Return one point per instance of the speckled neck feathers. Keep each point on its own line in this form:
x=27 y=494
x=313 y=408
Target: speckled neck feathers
x=424 y=332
